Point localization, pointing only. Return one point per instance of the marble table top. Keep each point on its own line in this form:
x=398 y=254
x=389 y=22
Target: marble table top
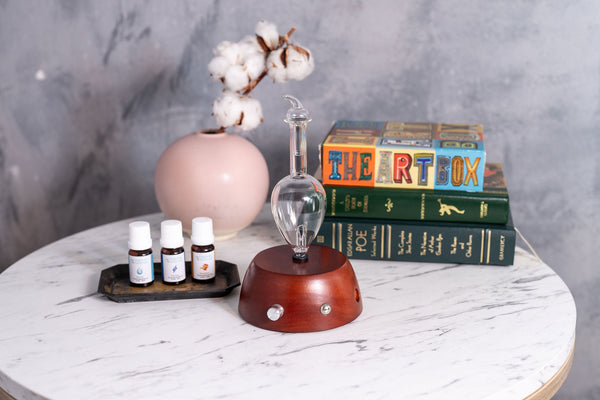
x=427 y=331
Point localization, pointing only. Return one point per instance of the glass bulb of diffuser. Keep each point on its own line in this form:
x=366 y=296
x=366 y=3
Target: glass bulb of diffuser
x=298 y=200
x=298 y=206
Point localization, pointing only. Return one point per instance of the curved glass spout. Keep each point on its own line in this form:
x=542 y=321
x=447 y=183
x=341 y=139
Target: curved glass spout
x=297 y=117
x=298 y=200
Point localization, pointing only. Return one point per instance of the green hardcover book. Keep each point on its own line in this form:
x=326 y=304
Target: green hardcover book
x=490 y=206
x=420 y=241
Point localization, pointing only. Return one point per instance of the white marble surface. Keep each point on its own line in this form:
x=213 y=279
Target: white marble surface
x=427 y=331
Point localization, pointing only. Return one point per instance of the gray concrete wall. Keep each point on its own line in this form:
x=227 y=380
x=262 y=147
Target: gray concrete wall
x=91 y=93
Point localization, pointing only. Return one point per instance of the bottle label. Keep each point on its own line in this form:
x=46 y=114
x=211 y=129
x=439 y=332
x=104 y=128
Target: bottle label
x=173 y=267
x=203 y=265
x=141 y=269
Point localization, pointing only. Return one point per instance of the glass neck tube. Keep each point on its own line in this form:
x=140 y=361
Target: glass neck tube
x=297 y=117
x=297 y=148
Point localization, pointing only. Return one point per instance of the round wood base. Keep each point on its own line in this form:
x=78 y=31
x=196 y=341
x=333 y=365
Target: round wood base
x=284 y=295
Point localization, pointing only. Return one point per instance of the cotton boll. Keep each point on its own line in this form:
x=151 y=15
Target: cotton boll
x=252 y=114
x=267 y=31
x=300 y=63
x=218 y=66
x=221 y=47
x=255 y=65
x=230 y=51
x=236 y=78
x=249 y=46
x=275 y=67
x=247 y=51
x=227 y=109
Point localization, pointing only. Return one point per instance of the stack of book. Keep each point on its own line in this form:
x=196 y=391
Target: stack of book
x=414 y=192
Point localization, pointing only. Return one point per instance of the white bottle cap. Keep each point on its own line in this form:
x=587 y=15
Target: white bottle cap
x=139 y=236
x=202 y=231
x=170 y=234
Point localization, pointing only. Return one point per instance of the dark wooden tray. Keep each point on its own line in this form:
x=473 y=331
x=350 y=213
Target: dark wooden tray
x=114 y=283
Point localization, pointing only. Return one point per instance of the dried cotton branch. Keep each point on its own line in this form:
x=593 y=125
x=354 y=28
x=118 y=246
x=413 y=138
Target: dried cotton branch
x=241 y=66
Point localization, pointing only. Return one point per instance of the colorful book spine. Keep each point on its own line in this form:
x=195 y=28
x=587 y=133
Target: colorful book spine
x=490 y=206
x=404 y=155
x=419 y=241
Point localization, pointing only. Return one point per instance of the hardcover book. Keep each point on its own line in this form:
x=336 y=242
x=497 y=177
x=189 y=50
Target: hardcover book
x=420 y=241
x=488 y=206
x=404 y=155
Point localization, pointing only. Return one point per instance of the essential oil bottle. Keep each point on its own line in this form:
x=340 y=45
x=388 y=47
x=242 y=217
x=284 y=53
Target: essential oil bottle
x=172 y=255
x=203 y=250
x=141 y=263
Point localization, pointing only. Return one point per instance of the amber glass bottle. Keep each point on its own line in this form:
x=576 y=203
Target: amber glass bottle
x=141 y=264
x=172 y=255
x=203 y=250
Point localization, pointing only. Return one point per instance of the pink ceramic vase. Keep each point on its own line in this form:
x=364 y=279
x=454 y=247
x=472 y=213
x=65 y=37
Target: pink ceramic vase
x=216 y=175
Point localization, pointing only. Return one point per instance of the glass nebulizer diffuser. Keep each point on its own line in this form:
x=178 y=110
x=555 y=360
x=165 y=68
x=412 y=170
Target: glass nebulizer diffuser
x=298 y=287
x=298 y=201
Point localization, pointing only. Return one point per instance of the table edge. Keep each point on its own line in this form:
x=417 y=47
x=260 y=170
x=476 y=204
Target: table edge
x=5 y=396
x=549 y=389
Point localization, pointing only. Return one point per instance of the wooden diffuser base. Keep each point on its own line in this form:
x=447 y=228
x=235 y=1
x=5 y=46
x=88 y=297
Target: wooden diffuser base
x=280 y=294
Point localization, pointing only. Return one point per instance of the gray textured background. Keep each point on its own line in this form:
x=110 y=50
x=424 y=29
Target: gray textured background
x=92 y=92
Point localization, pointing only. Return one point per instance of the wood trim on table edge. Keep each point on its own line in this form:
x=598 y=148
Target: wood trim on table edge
x=5 y=396
x=545 y=392
x=549 y=389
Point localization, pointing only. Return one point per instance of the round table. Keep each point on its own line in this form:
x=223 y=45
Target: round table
x=427 y=331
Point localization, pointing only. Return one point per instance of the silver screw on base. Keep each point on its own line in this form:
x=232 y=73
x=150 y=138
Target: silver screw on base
x=275 y=312
x=325 y=308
